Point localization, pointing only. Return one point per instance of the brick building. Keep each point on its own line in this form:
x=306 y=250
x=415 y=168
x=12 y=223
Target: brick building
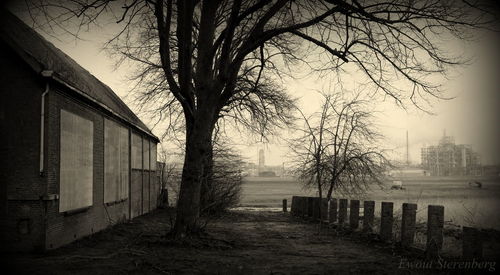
x=450 y=159
x=74 y=158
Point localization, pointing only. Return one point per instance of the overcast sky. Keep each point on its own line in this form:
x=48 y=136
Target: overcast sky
x=472 y=117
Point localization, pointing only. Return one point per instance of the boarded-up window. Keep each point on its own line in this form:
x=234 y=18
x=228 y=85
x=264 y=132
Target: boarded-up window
x=76 y=162
x=136 y=151
x=116 y=162
x=153 y=156
x=145 y=150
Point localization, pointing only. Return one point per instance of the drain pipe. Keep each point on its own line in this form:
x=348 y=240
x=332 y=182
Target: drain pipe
x=42 y=121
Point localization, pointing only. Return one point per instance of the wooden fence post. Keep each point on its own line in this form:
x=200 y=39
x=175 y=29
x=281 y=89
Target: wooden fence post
x=333 y=211
x=408 y=224
x=386 y=221
x=354 y=214
x=435 y=223
x=310 y=203
x=304 y=206
x=316 y=209
x=342 y=211
x=472 y=246
x=324 y=209
x=368 y=216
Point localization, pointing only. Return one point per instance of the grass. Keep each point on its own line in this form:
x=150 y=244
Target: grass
x=241 y=242
x=464 y=205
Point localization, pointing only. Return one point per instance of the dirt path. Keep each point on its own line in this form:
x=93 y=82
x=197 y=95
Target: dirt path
x=239 y=243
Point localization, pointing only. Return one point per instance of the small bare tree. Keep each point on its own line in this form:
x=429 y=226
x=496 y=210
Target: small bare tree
x=337 y=149
x=168 y=173
x=224 y=189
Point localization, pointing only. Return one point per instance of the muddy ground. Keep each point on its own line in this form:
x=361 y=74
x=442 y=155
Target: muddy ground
x=241 y=242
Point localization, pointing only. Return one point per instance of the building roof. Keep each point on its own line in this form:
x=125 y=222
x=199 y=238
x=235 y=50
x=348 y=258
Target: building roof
x=43 y=56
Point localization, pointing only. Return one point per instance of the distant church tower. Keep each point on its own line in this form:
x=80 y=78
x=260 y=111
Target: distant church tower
x=262 y=161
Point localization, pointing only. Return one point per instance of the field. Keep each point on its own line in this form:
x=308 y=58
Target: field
x=464 y=205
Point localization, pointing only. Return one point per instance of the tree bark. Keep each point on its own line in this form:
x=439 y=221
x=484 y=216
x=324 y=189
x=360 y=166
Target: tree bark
x=198 y=151
x=330 y=191
x=207 y=180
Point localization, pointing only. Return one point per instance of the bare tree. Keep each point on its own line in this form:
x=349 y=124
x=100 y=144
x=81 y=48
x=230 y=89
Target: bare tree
x=338 y=149
x=200 y=57
x=168 y=176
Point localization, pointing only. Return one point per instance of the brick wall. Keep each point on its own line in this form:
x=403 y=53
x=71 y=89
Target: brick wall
x=63 y=228
x=22 y=186
x=27 y=221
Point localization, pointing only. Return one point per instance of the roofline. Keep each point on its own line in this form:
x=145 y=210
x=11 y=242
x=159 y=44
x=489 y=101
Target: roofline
x=50 y=75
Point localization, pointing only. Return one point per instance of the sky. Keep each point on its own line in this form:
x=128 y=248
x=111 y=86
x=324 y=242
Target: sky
x=472 y=117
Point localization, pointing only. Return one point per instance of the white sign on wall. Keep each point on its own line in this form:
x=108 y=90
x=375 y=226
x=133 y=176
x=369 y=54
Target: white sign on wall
x=76 y=162
x=116 y=161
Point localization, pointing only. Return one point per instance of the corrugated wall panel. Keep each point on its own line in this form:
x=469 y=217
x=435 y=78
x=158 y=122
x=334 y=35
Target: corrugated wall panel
x=124 y=162
x=136 y=151
x=152 y=156
x=155 y=190
x=145 y=151
x=136 y=193
x=145 y=192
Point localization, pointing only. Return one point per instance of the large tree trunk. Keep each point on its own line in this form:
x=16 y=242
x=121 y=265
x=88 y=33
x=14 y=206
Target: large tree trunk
x=198 y=151
x=207 y=180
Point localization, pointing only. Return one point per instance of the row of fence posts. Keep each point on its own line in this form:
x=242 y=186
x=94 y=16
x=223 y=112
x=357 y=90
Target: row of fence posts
x=335 y=211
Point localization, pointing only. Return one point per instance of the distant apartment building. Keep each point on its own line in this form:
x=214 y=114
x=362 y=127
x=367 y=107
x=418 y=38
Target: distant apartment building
x=450 y=159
